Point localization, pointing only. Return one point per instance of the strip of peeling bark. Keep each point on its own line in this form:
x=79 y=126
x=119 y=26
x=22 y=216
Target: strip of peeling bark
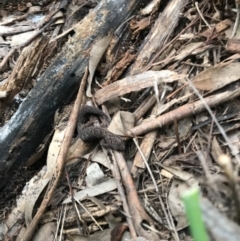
x=159 y=35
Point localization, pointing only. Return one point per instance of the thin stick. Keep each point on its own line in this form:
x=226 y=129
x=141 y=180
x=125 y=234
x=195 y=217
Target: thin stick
x=157 y=191
x=185 y=111
x=201 y=15
x=237 y=19
x=73 y=201
x=177 y=137
x=27 y=42
x=61 y=160
x=117 y=177
x=207 y=106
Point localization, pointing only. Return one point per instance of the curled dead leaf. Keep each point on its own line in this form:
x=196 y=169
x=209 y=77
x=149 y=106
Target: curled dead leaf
x=217 y=77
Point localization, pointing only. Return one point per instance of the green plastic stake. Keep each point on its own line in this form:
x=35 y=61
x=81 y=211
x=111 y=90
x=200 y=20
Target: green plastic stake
x=191 y=200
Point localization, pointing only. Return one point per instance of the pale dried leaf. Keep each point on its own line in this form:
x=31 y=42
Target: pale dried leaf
x=183 y=182
x=167 y=142
x=184 y=127
x=3 y=94
x=36 y=186
x=122 y=122
x=188 y=49
x=34 y=9
x=46 y=232
x=78 y=149
x=96 y=54
x=202 y=117
x=3 y=50
x=94 y=175
x=217 y=77
x=21 y=38
x=166 y=174
x=175 y=204
x=184 y=176
x=103 y=187
x=234 y=139
x=100 y=158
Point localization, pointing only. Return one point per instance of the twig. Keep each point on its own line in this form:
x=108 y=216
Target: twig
x=73 y=201
x=144 y=107
x=86 y=210
x=177 y=136
x=117 y=177
x=157 y=190
x=146 y=148
x=19 y=18
x=28 y=41
x=137 y=211
x=68 y=30
x=237 y=19
x=202 y=17
x=207 y=106
x=61 y=160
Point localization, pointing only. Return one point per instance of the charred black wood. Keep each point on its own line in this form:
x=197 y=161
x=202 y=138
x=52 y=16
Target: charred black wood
x=27 y=128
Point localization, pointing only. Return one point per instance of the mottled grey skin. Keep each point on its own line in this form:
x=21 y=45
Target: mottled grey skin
x=87 y=111
x=90 y=133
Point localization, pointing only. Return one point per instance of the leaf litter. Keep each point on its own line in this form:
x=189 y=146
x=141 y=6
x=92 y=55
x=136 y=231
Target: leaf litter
x=180 y=144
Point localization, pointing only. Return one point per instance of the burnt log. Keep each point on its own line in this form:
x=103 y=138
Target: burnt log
x=33 y=120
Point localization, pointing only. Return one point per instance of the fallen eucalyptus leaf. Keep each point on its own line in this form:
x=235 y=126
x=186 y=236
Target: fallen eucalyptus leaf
x=217 y=77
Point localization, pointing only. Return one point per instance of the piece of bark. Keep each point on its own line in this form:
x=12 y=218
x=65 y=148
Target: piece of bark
x=34 y=119
x=23 y=70
x=136 y=83
x=233 y=46
x=159 y=34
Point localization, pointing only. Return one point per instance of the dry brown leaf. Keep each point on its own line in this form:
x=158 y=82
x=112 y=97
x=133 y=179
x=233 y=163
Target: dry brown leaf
x=233 y=46
x=218 y=28
x=96 y=54
x=167 y=142
x=77 y=150
x=217 y=77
